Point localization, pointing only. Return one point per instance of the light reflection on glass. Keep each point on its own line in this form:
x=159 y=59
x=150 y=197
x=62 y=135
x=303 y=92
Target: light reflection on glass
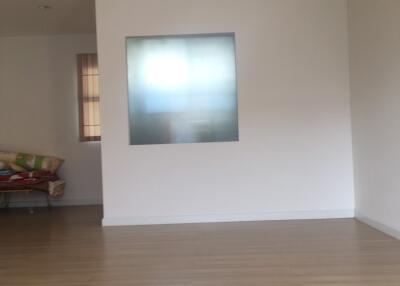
x=182 y=89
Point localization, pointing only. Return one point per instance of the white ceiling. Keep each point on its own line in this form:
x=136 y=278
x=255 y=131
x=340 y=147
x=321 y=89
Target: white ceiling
x=22 y=17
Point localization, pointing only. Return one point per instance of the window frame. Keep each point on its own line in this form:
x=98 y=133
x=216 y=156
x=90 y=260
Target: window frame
x=82 y=99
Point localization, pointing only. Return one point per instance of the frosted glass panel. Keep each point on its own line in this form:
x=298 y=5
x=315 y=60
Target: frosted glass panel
x=182 y=89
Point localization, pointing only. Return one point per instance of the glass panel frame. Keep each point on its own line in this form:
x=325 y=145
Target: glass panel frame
x=182 y=89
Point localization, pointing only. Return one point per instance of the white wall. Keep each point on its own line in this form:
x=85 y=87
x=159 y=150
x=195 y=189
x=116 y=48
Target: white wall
x=294 y=158
x=39 y=109
x=375 y=78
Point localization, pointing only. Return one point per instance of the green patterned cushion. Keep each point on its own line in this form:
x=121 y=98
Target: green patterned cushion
x=38 y=162
x=32 y=162
x=4 y=165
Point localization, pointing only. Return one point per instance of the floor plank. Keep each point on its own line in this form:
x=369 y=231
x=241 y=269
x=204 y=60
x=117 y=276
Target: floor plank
x=67 y=246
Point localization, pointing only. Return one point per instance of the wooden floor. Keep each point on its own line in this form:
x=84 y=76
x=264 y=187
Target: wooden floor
x=67 y=246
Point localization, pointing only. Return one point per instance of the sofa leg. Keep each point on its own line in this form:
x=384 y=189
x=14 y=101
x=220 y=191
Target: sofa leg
x=48 y=201
x=5 y=200
x=8 y=198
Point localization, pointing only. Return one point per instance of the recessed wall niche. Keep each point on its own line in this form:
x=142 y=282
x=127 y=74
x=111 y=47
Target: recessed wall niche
x=182 y=89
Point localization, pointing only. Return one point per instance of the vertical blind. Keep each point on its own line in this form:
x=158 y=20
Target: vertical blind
x=89 y=97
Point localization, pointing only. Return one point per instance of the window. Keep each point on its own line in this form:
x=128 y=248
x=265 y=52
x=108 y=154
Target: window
x=89 y=97
x=182 y=89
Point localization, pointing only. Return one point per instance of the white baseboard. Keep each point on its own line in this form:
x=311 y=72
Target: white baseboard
x=229 y=217
x=54 y=202
x=379 y=226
